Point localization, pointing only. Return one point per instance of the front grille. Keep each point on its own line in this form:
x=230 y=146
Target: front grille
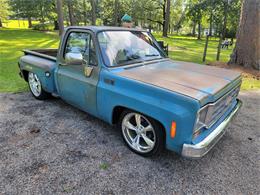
x=218 y=109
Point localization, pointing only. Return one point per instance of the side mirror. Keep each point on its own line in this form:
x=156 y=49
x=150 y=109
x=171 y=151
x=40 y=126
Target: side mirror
x=73 y=58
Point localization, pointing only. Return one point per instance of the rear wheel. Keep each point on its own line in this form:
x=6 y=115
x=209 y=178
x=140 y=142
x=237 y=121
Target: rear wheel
x=142 y=134
x=36 y=87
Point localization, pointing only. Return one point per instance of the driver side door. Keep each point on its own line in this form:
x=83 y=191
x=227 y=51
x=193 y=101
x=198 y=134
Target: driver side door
x=77 y=74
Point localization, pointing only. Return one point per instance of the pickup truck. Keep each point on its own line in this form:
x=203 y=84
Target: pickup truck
x=124 y=77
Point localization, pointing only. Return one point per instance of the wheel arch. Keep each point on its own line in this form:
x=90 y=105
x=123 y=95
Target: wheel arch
x=118 y=110
x=25 y=75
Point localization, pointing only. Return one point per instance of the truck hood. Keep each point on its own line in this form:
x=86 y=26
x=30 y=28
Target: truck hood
x=201 y=82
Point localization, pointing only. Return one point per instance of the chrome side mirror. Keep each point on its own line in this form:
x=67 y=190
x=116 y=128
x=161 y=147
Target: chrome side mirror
x=73 y=58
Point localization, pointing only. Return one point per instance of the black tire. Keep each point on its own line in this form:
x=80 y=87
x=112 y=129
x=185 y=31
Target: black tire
x=159 y=144
x=42 y=95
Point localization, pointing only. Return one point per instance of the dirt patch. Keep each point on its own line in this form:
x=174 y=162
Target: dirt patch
x=246 y=72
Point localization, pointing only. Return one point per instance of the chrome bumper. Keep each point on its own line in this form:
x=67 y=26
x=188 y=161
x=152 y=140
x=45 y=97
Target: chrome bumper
x=202 y=148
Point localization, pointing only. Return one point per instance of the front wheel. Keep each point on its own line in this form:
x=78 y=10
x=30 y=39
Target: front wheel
x=36 y=87
x=142 y=134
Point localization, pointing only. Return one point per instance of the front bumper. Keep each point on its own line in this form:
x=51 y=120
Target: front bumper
x=202 y=148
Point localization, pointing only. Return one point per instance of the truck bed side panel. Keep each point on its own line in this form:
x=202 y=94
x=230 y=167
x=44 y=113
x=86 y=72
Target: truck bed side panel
x=40 y=66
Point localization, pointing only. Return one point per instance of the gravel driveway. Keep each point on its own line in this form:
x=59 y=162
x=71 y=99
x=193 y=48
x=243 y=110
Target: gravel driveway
x=49 y=147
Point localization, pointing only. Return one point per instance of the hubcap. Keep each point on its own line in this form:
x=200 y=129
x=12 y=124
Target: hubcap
x=138 y=132
x=35 y=84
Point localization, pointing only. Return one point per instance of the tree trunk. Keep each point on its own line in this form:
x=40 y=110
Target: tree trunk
x=60 y=16
x=84 y=12
x=199 y=30
x=247 y=50
x=194 y=29
x=71 y=16
x=1 y=25
x=93 y=12
x=29 y=22
x=115 y=13
x=225 y=20
x=167 y=17
x=210 y=23
x=56 y=25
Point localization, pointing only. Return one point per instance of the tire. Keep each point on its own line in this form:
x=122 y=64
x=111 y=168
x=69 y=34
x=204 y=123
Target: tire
x=35 y=87
x=146 y=137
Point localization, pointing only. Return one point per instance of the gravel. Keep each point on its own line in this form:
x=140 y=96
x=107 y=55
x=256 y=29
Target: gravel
x=49 y=147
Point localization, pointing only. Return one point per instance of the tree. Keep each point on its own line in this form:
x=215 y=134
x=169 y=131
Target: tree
x=166 y=20
x=4 y=11
x=195 y=13
x=25 y=9
x=247 y=50
x=71 y=12
x=60 y=16
x=116 y=6
x=93 y=11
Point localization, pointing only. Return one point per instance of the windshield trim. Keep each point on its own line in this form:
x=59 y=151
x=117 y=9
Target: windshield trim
x=163 y=55
x=143 y=63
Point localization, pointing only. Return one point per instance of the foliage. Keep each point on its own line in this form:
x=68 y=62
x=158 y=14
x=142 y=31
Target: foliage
x=5 y=9
x=43 y=26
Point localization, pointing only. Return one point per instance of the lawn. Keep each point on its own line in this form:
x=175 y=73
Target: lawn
x=17 y=23
x=13 y=41
x=190 y=49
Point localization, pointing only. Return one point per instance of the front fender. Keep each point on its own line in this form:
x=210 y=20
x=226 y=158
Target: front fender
x=160 y=104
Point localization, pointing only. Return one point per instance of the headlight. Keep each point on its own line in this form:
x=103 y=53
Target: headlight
x=201 y=117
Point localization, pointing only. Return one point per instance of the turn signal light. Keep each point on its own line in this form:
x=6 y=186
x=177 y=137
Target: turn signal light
x=173 y=129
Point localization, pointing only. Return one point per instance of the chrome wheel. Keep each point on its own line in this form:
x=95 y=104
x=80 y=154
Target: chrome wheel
x=35 y=84
x=138 y=132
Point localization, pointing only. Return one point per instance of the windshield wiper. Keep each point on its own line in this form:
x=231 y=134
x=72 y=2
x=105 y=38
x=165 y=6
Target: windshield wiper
x=151 y=55
x=129 y=61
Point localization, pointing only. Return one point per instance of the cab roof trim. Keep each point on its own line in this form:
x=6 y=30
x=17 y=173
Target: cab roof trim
x=104 y=28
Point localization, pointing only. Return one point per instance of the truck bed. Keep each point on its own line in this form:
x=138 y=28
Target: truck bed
x=49 y=54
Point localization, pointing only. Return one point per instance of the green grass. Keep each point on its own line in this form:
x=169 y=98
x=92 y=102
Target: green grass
x=17 y=23
x=250 y=84
x=191 y=50
x=12 y=42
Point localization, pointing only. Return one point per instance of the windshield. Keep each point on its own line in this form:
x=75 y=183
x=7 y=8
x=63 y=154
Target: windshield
x=125 y=47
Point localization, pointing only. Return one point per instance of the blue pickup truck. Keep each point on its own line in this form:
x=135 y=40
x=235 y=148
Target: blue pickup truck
x=124 y=77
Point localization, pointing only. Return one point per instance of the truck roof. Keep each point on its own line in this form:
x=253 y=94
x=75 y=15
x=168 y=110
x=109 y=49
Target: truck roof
x=104 y=28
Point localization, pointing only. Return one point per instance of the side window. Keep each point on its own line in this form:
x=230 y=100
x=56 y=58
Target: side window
x=81 y=45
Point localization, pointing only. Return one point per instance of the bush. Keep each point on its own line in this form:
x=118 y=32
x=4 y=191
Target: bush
x=43 y=26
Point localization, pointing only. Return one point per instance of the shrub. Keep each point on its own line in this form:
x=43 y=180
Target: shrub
x=43 y=26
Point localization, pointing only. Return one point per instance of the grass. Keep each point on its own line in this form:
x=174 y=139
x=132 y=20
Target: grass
x=13 y=41
x=17 y=23
x=190 y=49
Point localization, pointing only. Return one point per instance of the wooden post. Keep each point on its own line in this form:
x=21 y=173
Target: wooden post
x=205 y=49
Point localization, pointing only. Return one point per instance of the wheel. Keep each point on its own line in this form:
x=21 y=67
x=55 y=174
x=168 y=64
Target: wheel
x=36 y=87
x=142 y=134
